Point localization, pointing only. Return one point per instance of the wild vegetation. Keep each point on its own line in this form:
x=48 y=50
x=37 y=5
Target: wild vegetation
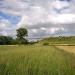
x=61 y=40
x=20 y=57
x=36 y=60
x=21 y=34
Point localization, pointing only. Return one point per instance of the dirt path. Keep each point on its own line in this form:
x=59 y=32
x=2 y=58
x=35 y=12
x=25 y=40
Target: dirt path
x=67 y=48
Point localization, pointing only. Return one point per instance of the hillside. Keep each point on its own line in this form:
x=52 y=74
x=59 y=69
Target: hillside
x=59 y=40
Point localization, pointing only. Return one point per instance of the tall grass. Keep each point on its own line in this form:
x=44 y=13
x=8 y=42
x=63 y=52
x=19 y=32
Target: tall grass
x=35 y=60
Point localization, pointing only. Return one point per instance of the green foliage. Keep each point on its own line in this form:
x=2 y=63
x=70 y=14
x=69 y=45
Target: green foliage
x=6 y=40
x=45 y=43
x=21 y=33
x=35 y=60
x=60 y=40
x=21 y=41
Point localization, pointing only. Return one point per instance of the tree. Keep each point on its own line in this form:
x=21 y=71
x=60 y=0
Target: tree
x=21 y=34
x=6 y=40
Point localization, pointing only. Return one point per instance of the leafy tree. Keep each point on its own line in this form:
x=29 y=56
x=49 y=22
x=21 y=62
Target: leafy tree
x=5 y=40
x=21 y=41
x=21 y=34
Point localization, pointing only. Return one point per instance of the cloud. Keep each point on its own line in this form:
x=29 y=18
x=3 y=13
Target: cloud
x=35 y=15
x=6 y=28
x=40 y=17
x=4 y=24
x=62 y=18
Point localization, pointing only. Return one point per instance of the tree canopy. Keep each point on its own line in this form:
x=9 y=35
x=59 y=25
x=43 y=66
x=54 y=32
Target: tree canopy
x=6 y=40
x=21 y=33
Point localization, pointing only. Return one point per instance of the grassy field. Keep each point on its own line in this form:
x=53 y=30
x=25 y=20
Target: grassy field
x=69 y=48
x=59 y=40
x=36 y=60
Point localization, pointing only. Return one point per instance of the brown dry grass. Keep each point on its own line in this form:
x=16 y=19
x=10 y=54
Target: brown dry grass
x=67 y=48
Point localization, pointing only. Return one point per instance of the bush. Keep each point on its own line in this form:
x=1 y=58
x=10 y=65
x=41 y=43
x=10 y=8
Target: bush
x=6 y=40
x=46 y=44
x=21 y=41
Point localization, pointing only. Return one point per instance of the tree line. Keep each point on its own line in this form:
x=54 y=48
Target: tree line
x=22 y=33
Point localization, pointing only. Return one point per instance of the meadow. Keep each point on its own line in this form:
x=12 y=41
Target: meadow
x=36 y=60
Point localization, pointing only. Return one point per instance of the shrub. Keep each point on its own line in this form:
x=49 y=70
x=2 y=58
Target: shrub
x=46 y=44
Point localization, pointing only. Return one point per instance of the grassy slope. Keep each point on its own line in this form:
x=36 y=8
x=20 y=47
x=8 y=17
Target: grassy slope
x=35 y=60
x=59 y=40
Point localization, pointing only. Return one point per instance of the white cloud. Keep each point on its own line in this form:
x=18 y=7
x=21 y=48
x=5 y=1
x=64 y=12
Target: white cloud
x=62 y=18
x=6 y=28
x=34 y=12
x=43 y=28
x=54 y=30
x=34 y=30
x=4 y=24
x=59 y=4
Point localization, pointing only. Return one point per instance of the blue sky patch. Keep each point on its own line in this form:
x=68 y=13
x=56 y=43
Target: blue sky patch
x=12 y=18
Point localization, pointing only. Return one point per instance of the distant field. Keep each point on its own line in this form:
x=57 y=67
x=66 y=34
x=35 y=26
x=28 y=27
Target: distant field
x=36 y=60
x=59 y=40
x=70 y=49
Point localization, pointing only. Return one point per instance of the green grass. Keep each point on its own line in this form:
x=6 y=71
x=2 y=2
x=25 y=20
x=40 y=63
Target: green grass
x=35 y=60
x=59 y=40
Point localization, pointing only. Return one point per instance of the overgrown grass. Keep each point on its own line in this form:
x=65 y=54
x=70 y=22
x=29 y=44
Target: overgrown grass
x=35 y=60
x=59 y=40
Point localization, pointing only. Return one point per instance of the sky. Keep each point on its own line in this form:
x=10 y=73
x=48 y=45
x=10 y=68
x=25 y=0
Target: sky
x=42 y=18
